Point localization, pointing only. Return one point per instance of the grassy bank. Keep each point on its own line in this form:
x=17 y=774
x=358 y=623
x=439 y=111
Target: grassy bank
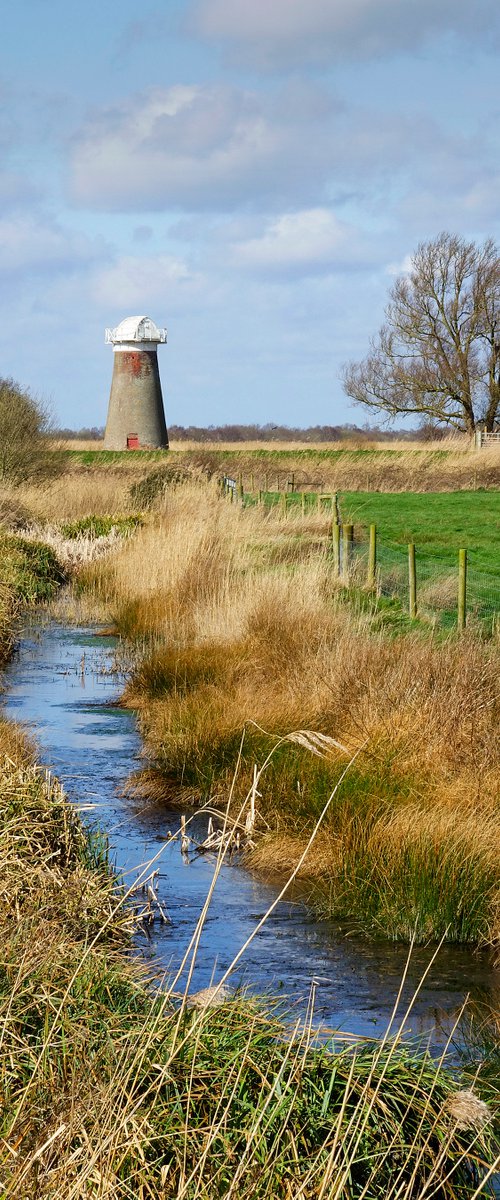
x=30 y=573
x=111 y=1089
x=103 y=483
x=241 y=629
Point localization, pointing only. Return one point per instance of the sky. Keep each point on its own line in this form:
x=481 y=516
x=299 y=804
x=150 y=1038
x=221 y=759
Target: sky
x=252 y=174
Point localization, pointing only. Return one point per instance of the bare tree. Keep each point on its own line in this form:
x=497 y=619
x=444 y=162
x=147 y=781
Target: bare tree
x=438 y=353
x=25 y=449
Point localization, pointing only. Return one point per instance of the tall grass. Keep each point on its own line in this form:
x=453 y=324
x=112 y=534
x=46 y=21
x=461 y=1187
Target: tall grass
x=111 y=1089
x=448 y=466
x=239 y=625
x=78 y=494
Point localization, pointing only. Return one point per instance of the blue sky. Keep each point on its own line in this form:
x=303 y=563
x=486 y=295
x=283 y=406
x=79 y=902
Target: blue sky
x=250 y=173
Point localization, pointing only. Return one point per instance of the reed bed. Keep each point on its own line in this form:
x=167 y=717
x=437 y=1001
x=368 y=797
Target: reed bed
x=114 y=1089
x=79 y=493
x=237 y=642
x=414 y=468
x=80 y=542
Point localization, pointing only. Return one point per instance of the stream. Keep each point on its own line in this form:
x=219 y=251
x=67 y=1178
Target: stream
x=61 y=684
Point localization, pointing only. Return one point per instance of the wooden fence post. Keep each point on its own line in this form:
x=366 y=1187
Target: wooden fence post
x=372 y=557
x=462 y=588
x=347 y=540
x=336 y=547
x=261 y=497
x=412 y=579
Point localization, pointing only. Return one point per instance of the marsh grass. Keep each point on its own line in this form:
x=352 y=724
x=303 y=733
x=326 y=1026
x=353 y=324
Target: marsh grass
x=111 y=1089
x=231 y=635
x=378 y=468
x=81 y=492
x=75 y=543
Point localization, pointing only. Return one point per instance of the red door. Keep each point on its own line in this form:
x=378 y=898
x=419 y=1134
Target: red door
x=133 y=441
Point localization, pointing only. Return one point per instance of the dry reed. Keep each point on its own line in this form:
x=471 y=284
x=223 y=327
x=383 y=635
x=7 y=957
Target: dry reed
x=79 y=493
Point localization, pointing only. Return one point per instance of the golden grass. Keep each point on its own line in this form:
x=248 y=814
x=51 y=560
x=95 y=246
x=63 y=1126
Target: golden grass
x=347 y=444
x=415 y=468
x=113 y=1090
x=233 y=639
x=78 y=493
x=456 y=443
x=81 y=444
x=353 y=465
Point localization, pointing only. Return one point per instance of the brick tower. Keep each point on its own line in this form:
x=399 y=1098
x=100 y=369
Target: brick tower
x=136 y=419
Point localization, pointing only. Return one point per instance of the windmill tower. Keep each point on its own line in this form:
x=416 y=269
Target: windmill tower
x=136 y=419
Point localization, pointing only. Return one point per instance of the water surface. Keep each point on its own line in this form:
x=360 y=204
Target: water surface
x=62 y=684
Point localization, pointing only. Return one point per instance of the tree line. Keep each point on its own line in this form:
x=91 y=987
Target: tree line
x=426 y=430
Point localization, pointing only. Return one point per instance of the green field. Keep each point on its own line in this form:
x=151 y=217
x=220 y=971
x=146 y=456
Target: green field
x=439 y=523
x=256 y=453
x=99 y=458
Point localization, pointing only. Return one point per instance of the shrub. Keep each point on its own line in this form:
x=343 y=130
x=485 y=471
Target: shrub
x=152 y=486
x=25 y=453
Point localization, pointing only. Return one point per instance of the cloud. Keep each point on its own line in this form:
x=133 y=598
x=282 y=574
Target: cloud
x=199 y=147
x=38 y=244
x=310 y=242
x=293 y=32
x=214 y=147
x=134 y=282
x=400 y=268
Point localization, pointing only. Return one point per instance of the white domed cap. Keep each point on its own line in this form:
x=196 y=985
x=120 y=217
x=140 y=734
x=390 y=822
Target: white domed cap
x=136 y=329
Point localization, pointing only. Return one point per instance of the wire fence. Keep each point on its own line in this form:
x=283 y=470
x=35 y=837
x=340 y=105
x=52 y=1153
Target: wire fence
x=444 y=586
x=440 y=589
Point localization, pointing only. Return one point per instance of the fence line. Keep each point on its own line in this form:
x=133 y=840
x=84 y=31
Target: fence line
x=447 y=592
